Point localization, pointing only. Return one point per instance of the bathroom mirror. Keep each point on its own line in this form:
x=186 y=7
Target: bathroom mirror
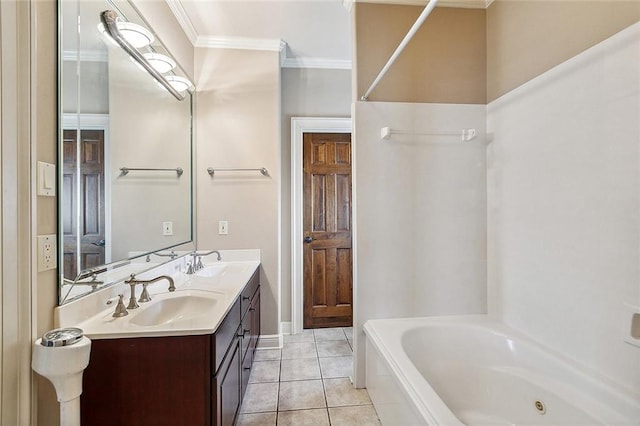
x=124 y=175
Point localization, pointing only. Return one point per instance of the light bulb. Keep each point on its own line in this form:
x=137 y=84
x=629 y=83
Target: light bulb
x=160 y=62
x=181 y=84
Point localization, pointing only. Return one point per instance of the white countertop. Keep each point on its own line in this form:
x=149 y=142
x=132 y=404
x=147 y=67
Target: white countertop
x=210 y=294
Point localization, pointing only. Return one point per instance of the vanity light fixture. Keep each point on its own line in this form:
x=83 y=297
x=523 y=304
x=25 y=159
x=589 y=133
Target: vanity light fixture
x=162 y=63
x=110 y=21
x=136 y=35
x=181 y=84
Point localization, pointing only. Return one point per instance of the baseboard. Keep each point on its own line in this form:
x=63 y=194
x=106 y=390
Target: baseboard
x=274 y=341
x=285 y=327
x=270 y=341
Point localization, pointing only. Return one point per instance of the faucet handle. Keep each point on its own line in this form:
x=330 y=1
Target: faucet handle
x=120 y=311
x=199 y=265
x=132 y=297
x=144 y=296
x=189 y=268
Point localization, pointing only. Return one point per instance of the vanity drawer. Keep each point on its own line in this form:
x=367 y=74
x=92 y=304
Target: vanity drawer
x=248 y=292
x=225 y=334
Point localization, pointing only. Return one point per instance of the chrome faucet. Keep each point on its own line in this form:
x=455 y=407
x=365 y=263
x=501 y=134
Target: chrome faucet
x=208 y=253
x=196 y=264
x=144 y=296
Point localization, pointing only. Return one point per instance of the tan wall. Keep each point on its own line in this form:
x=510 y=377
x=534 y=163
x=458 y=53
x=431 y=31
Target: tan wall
x=527 y=38
x=305 y=93
x=238 y=126
x=148 y=128
x=45 y=126
x=445 y=62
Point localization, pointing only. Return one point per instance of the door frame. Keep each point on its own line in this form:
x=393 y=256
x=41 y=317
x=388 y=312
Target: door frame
x=96 y=122
x=300 y=126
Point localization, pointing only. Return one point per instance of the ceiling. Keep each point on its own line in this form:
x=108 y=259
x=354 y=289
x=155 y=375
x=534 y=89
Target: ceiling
x=317 y=33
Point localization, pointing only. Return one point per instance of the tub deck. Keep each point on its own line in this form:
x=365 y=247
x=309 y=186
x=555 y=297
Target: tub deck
x=474 y=370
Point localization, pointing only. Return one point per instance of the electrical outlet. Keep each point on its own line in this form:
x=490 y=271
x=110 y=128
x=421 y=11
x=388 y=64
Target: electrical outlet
x=47 y=258
x=167 y=228
x=223 y=227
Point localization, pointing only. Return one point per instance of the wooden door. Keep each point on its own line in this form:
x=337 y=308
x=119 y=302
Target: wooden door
x=84 y=203
x=327 y=230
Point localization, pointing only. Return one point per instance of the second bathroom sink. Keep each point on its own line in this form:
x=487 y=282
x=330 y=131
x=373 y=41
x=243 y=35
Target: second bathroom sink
x=174 y=308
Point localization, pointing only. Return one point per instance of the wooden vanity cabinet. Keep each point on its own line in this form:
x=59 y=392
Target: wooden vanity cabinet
x=231 y=379
x=177 y=380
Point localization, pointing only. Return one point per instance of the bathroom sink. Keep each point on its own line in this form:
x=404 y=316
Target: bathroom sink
x=211 y=270
x=174 y=308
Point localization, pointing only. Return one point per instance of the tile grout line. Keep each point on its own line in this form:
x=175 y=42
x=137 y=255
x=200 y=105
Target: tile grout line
x=324 y=390
x=279 y=380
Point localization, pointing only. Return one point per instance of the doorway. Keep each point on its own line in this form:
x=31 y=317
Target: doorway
x=83 y=192
x=300 y=127
x=328 y=294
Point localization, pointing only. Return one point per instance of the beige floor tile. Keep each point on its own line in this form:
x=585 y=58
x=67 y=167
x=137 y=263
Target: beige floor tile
x=362 y=415
x=334 y=348
x=317 y=417
x=267 y=355
x=340 y=392
x=265 y=371
x=338 y=366
x=257 y=419
x=299 y=350
x=300 y=369
x=260 y=398
x=304 y=336
x=301 y=395
x=323 y=334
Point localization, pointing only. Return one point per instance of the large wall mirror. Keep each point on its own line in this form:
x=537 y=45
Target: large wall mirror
x=125 y=181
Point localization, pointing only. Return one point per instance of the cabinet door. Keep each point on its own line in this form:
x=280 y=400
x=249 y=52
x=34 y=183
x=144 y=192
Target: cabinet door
x=227 y=387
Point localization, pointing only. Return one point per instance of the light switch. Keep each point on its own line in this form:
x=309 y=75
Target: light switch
x=223 y=227
x=46 y=179
x=167 y=228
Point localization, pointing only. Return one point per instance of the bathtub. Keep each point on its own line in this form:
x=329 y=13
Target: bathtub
x=472 y=370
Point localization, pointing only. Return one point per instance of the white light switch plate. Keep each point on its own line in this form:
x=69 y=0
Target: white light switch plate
x=223 y=227
x=46 y=179
x=47 y=250
x=167 y=228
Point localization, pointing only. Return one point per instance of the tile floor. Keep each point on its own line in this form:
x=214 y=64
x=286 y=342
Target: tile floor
x=307 y=383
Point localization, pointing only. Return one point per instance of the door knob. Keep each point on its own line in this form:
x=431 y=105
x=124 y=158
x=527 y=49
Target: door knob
x=308 y=239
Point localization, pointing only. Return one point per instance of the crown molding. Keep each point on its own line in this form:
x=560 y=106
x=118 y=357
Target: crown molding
x=245 y=43
x=326 y=63
x=85 y=55
x=177 y=8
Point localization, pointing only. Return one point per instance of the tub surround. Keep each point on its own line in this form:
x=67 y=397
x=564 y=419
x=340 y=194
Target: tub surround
x=475 y=370
x=432 y=261
x=564 y=207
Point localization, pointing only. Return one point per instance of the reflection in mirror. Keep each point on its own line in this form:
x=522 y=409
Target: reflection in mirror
x=116 y=116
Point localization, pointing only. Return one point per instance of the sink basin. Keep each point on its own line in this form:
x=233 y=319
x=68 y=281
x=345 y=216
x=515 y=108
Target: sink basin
x=211 y=270
x=174 y=308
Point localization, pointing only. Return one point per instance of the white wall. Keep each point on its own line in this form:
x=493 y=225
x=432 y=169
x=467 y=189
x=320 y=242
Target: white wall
x=563 y=197
x=238 y=126
x=306 y=92
x=420 y=210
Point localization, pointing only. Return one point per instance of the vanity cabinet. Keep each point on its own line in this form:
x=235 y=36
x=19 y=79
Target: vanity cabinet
x=176 y=380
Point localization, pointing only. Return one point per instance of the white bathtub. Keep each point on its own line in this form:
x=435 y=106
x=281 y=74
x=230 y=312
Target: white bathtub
x=473 y=370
